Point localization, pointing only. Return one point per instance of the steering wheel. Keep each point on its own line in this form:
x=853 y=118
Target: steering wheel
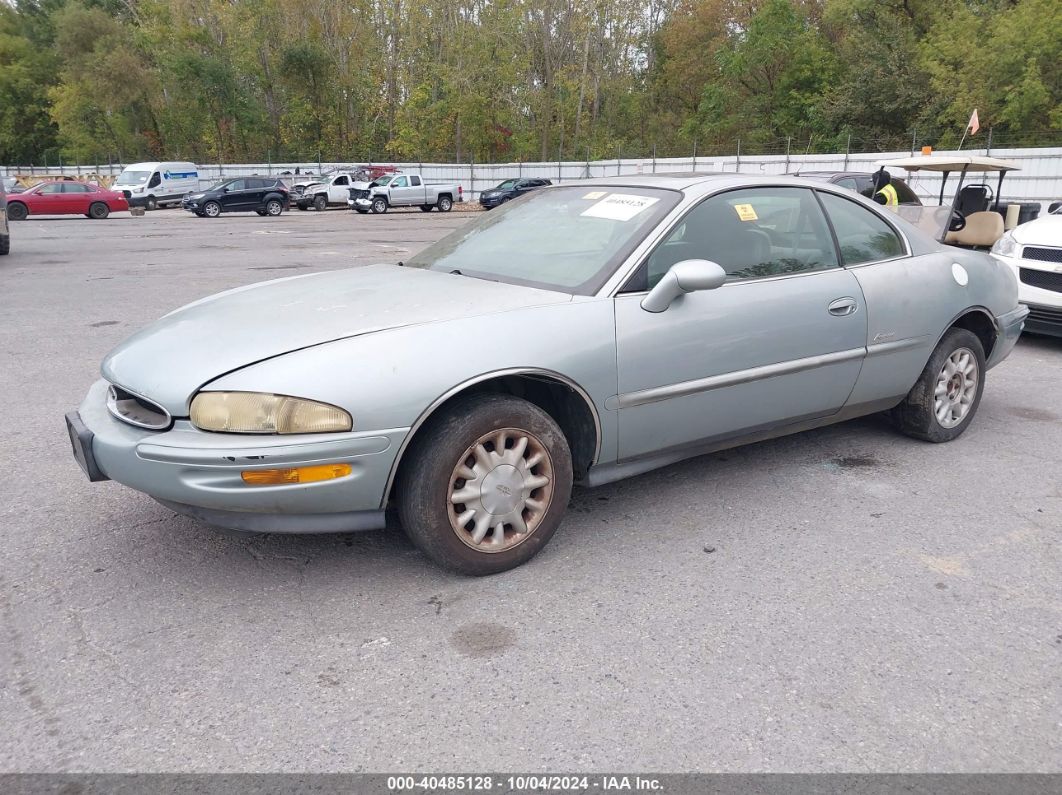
x=957 y=222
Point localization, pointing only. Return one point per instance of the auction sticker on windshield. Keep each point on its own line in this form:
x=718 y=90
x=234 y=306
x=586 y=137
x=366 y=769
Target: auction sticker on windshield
x=746 y=212
x=619 y=206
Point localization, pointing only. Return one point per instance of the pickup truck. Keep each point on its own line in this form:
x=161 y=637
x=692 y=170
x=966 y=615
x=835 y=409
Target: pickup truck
x=330 y=190
x=403 y=190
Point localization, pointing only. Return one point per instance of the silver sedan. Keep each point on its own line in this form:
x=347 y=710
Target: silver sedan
x=584 y=333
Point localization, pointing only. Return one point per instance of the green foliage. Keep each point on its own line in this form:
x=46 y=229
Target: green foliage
x=513 y=79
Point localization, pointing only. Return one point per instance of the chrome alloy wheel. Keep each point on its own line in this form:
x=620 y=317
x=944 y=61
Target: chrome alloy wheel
x=500 y=490
x=956 y=388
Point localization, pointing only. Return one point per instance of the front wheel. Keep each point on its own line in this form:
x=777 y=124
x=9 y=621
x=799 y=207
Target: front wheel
x=211 y=209
x=274 y=207
x=445 y=204
x=17 y=211
x=943 y=401
x=99 y=211
x=152 y=203
x=379 y=206
x=485 y=485
x=320 y=203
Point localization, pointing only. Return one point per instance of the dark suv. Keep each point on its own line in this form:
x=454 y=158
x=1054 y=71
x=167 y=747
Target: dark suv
x=262 y=195
x=510 y=189
x=861 y=182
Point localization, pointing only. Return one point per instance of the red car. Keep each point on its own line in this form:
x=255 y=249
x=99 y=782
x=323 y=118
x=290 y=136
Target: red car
x=65 y=198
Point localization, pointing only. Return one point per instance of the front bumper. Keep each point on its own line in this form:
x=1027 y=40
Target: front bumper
x=198 y=473
x=493 y=201
x=1044 y=305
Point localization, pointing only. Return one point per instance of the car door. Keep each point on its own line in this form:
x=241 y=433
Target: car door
x=339 y=190
x=400 y=192
x=77 y=197
x=781 y=341
x=234 y=196
x=49 y=199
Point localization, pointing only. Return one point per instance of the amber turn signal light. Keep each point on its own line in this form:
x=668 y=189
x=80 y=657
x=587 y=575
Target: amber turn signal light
x=280 y=477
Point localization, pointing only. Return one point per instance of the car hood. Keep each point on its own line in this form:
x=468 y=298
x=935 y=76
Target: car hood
x=1045 y=231
x=171 y=359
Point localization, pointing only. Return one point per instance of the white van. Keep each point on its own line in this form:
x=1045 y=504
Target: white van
x=153 y=185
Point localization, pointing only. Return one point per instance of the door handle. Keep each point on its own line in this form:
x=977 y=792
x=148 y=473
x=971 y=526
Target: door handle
x=842 y=307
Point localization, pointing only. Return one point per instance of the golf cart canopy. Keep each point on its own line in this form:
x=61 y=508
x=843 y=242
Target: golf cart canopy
x=985 y=226
x=948 y=163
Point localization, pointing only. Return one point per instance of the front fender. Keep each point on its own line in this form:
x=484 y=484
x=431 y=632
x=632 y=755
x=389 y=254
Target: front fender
x=389 y=379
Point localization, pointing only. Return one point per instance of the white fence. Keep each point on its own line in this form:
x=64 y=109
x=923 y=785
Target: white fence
x=1039 y=180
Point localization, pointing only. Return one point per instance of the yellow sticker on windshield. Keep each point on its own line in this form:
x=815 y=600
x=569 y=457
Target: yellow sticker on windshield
x=746 y=213
x=595 y=194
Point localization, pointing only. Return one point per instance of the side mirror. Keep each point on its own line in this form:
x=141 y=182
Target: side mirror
x=687 y=276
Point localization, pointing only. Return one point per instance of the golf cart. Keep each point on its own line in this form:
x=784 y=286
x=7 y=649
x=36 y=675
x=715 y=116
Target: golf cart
x=975 y=218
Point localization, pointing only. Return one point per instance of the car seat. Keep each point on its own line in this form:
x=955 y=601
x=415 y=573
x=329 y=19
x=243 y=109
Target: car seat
x=982 y=229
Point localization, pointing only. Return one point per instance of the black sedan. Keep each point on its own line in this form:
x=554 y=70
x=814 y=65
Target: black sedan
x=510 y=189
x=262 y=195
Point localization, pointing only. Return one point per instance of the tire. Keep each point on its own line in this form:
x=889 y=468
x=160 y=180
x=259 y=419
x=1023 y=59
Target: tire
x=361 y=212
x=17 y=211
x=941 y=404
x=302 y=207
x=5 y=244
x=211 y=209
x=445 y=204
x=320 y=203
x=98 y=211
x=200 y=214
x=379 y=206
x=151 y=204
x=430 y=476
x=274 y=208
x=426 y=208
x=261 y=212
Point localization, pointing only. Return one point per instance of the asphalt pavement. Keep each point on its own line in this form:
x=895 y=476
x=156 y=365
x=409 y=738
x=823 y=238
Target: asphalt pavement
x=842 y=600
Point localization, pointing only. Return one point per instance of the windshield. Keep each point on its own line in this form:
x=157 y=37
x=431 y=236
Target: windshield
x=509 y=183
x=219 y=185
x=380 y=181
x=128 y=177
x=591 y=230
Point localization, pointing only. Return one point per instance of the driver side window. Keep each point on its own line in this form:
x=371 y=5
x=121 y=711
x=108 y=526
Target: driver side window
x=752 y=233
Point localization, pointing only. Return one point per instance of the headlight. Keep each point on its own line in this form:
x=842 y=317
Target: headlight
x=1007 y=246
x=253 y=412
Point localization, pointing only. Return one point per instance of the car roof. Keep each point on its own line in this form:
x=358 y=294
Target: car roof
x=698 y=181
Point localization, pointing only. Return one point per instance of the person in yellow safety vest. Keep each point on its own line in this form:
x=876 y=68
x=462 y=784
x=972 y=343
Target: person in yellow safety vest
x=884 y=192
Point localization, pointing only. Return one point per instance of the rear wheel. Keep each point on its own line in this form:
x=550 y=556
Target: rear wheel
x=943 y=401
x=211 y=209
x=379 y=205
x=274 y=207
x=485 y=484
x=17 y=211
x=99 y=211
x=425 y=208
x=445 y=204
x=320 y=203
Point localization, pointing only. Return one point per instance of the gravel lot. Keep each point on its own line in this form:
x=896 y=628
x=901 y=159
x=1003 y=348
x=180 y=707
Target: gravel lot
x=846 y=599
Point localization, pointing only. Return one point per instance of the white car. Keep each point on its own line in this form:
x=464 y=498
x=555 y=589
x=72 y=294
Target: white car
x=1034 y=251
